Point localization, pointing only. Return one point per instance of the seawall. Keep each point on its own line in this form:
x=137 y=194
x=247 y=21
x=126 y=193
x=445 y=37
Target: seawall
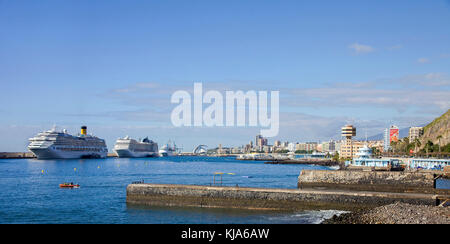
x=378 y=181
x=267 y=198
x=7 y=155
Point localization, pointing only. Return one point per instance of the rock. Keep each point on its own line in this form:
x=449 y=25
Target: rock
x=397 y=213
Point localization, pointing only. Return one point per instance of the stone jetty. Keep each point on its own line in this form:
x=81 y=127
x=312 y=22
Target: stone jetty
x=267 y=198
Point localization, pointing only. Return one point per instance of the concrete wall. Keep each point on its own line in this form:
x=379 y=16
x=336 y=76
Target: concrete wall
x=262 y=198
x=383 y=181
x=16 y=155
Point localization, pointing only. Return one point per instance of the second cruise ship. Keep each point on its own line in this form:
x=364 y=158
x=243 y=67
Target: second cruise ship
x=130 y=148
x=54 y=144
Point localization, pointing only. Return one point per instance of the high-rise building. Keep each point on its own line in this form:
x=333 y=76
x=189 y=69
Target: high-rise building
x=414 y=133
x=393 y=133
x=386 y=141
x=349 y=148
x=260 y=142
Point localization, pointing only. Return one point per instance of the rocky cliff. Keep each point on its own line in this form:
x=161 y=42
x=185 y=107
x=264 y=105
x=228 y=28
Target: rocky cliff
x=438 y=131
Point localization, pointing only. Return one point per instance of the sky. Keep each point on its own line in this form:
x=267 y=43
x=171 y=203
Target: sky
x=113 y=66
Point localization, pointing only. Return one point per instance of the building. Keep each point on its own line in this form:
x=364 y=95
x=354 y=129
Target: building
x=329 y=146
x=365 y=159
x=387 y=143
x=349 y=147
x=378 y=145
x=415 y=133
x=291 y=147
x=260 y=142
x=428 y=163
x=277 y=143
x=393 y=133
x=311 y=146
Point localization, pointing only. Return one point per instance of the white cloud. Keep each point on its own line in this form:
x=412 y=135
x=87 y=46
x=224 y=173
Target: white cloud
x=395 y=47
x=413 y=91
x=361 y=49
x=423 y=60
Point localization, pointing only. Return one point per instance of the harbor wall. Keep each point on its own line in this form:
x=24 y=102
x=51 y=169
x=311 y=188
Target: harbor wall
x=265 y=198
x=381 y=181
x=16 y=155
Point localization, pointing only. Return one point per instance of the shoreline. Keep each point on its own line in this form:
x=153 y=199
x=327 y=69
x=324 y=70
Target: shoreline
x=396 y=213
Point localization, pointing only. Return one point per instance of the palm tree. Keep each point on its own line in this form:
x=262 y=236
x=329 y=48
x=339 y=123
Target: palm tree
x=439 y=142
x=429 y=146
x=416 y=144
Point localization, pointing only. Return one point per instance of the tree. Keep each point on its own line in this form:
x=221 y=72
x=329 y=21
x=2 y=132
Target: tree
x=336 y=157
x=417 y=144
x=439 y=142
x=429 y=147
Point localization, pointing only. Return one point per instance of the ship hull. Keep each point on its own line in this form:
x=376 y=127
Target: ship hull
x=126 y=153
x=48 y=153
x=163 y=153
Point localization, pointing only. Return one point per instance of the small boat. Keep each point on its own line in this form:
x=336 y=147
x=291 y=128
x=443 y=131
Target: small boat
x=69 y=185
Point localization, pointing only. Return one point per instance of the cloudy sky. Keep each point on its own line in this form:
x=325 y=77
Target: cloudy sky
x=113 y=65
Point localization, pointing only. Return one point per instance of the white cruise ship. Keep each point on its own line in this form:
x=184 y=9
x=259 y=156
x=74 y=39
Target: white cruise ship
x=130 y=148
x=168 y=150
x=53 y=144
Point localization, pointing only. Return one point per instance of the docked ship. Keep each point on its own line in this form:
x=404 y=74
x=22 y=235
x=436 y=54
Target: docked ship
x=168 y=150
x=130 y=148
x=54 y=144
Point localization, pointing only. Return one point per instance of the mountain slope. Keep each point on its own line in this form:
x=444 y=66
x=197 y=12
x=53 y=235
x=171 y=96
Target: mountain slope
x=438 y=131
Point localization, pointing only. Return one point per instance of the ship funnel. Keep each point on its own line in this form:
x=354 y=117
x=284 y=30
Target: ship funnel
x=84 y=130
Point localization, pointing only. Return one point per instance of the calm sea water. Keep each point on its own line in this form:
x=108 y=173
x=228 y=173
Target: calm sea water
x=30 y=193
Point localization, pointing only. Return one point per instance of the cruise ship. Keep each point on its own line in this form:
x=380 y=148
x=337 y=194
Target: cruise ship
x=167 y=150
x=54 y=144
x=130 y=148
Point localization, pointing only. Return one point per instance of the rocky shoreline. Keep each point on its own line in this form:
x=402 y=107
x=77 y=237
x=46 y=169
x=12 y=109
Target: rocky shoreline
x=396 y=213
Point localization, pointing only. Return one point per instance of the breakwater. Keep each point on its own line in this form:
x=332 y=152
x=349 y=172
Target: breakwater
x=17 y=155
x=380 y=181
x=322 y=162
x=268 y=198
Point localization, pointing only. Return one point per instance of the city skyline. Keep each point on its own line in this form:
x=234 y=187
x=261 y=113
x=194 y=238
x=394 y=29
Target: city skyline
x=113 y=65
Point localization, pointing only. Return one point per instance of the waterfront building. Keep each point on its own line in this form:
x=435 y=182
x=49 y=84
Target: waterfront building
x=300 y=147
x=319 y=147
x=311 y=146
x=329 y=146
x=349 y=146
x=428 y=163
x=365 y=159
x=415 y=133
x=291 y=147
x=350 y=149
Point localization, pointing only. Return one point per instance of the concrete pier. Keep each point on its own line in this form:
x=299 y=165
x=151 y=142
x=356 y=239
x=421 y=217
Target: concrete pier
x=267 y=198
x=11 y=155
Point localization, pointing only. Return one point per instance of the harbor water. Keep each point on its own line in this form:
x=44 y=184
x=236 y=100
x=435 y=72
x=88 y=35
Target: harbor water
x=30 y=191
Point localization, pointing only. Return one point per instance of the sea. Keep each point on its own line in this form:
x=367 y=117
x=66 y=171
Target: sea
x=30 y=192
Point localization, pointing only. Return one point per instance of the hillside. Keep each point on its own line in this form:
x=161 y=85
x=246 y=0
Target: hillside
x=438 y=131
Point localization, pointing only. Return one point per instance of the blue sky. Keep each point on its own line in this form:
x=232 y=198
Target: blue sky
x=113 y=65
